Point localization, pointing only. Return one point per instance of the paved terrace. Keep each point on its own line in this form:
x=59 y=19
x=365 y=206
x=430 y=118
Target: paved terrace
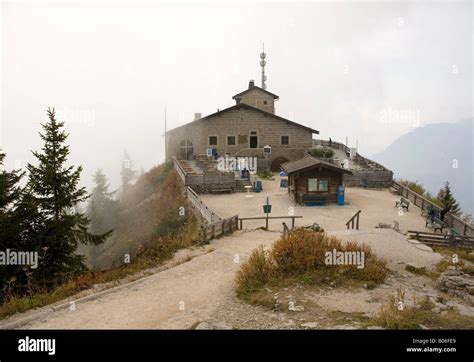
x=377 y=207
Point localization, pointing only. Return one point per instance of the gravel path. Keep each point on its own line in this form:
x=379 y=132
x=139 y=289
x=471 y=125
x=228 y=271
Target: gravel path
x=174 y=298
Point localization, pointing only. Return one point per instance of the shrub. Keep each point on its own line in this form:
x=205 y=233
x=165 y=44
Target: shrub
x=255 y=273
x=302 y=253
x=264 y=174
x=324 y=152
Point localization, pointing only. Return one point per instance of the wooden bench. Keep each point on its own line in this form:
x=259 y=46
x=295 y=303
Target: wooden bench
x=373 y=184
x=454 y=232
x=221 y=190
x=435 y=224
x=314 y=200
x=403 y=203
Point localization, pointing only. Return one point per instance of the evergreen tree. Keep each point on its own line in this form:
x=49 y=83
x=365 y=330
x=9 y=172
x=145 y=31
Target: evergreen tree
x=20 y=225
x=127 y=173
x=55 y=189
x=446 y=198
x=102 y=208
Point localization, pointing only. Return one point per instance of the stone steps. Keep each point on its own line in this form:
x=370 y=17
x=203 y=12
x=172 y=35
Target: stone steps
x=240 y=185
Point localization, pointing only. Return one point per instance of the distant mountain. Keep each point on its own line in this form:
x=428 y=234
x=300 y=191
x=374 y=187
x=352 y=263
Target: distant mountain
x=427 y=154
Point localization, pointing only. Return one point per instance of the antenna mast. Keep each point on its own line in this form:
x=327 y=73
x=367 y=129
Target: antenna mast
x=262 y=64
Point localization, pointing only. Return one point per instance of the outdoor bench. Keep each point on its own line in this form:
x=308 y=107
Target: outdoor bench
x=403 y=203
x=313 y=200
x=435 y=224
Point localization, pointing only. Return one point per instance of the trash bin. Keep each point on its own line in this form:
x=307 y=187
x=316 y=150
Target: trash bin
x=340 y=195
x=258 y=185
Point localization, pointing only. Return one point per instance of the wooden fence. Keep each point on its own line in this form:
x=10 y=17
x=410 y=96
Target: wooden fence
x=218 y=228
x=179 y=170
x=452 y=221
x=444 y=240
x=241 y=219
x=206 y=212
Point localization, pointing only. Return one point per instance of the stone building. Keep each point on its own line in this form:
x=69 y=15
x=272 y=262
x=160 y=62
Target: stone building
x=249 y=128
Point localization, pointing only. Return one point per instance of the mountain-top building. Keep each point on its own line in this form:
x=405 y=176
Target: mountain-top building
x=249 y=128
x=252 y=129
x=244 y=129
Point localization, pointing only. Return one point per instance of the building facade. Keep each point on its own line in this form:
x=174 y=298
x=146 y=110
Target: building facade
x=249 y=128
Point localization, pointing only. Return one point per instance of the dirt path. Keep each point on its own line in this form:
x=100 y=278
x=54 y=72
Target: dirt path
x=174 y=298
x=201 y=289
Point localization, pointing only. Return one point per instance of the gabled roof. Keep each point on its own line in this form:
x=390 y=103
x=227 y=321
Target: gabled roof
x=310 y=162
x=246 y=106
x=238 y=95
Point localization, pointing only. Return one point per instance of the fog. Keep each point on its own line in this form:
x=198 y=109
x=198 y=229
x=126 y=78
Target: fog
x=368 y=70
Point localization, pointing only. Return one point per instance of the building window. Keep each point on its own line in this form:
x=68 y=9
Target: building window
x=285 y=140
x=323 y=185
x=212 y=140
x=231 y=140
x=265 y=102
x=315 y=184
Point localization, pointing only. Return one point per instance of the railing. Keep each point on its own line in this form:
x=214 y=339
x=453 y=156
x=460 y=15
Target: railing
x=452 y=221
x=218 y=228
x=466 y=242
x=241 y=219
x=179 y=170
x=205 y=211
x=353 y=219
x=286 y=229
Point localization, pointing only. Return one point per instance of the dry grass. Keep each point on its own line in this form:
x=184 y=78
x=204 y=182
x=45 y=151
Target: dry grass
x=300 y=258
x=392 y=316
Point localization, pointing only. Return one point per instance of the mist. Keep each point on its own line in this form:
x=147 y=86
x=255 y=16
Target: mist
x=111 y=70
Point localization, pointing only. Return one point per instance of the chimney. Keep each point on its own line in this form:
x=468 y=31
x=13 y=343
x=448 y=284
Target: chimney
x=197 y=116
x=251 y=84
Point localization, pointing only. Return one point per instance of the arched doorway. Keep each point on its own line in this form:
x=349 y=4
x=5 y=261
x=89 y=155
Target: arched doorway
x=275 y=166
x=186 y=150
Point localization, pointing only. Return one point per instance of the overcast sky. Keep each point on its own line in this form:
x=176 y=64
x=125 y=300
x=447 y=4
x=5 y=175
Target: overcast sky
x=367 y=70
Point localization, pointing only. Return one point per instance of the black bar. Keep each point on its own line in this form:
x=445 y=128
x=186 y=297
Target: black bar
x=136 y=345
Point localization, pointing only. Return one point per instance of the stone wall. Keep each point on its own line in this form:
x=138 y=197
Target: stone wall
x=258 y=99
x=359 y=177
x=238 y=122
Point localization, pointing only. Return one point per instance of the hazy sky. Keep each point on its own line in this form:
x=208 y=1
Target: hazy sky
x=367 y=70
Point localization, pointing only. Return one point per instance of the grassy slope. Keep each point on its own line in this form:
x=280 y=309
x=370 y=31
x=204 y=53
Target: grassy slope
x=150 y=230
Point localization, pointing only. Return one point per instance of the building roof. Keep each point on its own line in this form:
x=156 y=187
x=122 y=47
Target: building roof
x=252 y=87
x=246 y=106
x=310 y=162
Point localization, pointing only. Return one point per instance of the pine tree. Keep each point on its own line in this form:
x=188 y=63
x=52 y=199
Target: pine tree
x=102 y=208
x=127 y=173
x=446 y=198
x=20 y=225
x=55 y=188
